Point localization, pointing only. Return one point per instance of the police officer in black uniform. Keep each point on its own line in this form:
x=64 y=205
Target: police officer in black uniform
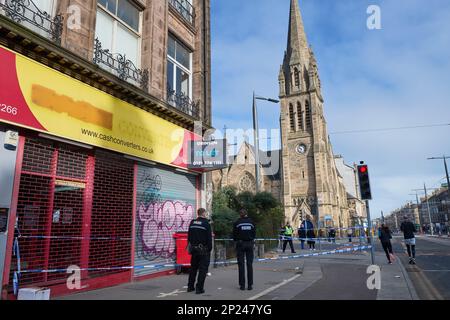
x=244 y=233
x=200 y=246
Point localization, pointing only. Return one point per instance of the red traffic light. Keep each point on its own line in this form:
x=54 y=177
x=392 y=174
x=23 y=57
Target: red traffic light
x=363 y=169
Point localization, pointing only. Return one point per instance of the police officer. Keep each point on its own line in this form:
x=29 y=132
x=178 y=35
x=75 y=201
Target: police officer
x=200 y=246
x=244 y=233
x=288 y=233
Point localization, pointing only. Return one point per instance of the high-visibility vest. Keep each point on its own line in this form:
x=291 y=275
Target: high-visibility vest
x=288 y=232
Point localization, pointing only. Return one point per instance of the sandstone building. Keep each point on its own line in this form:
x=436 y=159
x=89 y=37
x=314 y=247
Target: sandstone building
x=309 y=180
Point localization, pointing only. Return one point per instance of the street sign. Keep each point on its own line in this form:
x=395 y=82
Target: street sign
x=207 y=154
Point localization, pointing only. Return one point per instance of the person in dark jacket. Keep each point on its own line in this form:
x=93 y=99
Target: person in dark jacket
x=310 y=234
x=332 y=234
x=408 y=229
x=200 y=247
x=302 y=234
x=244 y=234
x=385 y=237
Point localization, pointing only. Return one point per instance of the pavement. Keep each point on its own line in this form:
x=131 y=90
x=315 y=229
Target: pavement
x=329 y=277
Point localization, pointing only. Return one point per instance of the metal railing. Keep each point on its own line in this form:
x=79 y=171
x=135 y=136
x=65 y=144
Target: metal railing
x=185 y=8
x=183 y=103
x=26 y=12
x=119 y=65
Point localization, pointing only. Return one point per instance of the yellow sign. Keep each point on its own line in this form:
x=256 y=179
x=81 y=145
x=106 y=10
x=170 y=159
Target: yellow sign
x=73 y=184
x=38 y=97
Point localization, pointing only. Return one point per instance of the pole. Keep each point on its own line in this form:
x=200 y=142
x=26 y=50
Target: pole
x=369 y=222
x=428 y=208
x=448 y=190
x=446 y=174
x=256 y=139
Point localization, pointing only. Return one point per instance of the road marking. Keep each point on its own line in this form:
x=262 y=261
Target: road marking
x=173 y=293
x=274 y=287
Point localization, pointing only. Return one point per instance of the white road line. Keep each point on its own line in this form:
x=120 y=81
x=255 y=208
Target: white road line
x=274 y=287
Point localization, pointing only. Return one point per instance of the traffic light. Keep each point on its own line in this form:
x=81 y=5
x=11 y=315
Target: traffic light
x=364 y=183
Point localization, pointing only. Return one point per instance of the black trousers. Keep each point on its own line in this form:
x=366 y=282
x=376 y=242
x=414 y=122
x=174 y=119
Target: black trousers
x=244 y=250
x=387 y=247
x=285 y=242
x=200 y=264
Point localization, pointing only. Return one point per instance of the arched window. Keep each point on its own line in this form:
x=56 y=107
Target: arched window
x=296 y=77
x=292 y=117
x=300 y=116
x=247 y=183
x=307 y=115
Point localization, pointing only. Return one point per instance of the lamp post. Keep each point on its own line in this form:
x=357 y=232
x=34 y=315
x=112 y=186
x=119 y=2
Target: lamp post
x=256 y=137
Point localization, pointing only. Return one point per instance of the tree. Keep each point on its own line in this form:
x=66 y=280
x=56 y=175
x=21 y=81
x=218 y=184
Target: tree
x=263 y=208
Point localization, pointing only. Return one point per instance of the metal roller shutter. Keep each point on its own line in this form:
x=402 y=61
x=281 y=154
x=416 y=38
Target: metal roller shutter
x=166 y=203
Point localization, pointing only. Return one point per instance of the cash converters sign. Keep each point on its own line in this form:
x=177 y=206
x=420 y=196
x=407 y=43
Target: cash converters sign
x=37 y=97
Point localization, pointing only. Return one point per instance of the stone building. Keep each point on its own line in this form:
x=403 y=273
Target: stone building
x=241 y=175
x=311 y=181
x=93 y=93
x=307 y=179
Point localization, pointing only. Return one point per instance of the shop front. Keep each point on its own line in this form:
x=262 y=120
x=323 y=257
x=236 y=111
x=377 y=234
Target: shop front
x=92 y=183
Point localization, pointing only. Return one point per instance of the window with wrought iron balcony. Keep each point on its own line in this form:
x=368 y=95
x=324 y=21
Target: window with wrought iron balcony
x=37 y=15
x=179 y=78
x=117 y=47
x=185 y=9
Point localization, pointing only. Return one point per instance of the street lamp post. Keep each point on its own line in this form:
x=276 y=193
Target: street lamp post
x=256 y=137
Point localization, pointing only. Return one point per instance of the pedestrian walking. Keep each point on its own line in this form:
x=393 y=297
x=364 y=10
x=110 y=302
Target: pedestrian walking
x=310 y=234
x=302 y=234
x=333 y=234
x=385 y=237
x=349 y=234
x=199 y=246
x=288 y=234
x=408 y=229
x=244 y=234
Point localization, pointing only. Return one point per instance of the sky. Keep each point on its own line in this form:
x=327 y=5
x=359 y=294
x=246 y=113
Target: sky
x=398 y=76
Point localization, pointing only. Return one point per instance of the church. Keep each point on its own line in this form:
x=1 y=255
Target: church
x=307 y=181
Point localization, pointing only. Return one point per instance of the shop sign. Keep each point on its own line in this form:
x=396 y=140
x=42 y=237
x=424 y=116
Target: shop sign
x=207 y=154
x=37 y=97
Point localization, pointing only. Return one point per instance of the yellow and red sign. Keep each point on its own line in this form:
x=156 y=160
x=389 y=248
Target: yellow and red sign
x=35 y=96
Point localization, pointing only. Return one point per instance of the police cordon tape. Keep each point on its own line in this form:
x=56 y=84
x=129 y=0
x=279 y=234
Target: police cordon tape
x=175 y=265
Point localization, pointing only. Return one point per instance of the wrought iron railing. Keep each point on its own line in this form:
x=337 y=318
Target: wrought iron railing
x=119 y=65
x=185 y=8
x=28 y=14
x=183 y=103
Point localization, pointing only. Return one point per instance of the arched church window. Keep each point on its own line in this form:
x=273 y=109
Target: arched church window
x=300 y=116
x=296 y=77
x=292 y=117
x=307 y=115
x=247 y=183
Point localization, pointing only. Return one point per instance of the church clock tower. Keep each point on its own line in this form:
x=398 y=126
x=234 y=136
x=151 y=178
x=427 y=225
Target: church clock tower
x=310 y=179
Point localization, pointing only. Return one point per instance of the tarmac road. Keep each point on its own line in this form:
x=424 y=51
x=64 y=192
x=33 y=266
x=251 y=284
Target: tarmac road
x=431 y=274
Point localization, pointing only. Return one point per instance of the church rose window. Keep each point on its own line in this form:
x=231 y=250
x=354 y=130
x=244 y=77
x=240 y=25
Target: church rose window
x=247 y=183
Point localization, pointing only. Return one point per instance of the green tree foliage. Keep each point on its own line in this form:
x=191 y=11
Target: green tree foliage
x=263 y=208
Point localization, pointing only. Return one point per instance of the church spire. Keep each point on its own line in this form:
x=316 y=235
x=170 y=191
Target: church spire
x=297 y=46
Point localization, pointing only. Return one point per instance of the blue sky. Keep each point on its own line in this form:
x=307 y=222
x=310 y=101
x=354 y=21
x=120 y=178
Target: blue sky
x=394 y=77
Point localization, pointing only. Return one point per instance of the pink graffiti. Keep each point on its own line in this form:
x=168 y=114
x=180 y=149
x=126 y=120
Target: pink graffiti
x=159 y=222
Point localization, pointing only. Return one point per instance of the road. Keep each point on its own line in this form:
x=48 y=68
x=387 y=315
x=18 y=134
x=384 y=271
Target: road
x=431 y=274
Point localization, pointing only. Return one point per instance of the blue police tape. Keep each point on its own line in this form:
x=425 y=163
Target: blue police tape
x=174 y=265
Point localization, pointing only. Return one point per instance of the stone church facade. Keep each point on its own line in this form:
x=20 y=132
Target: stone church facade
x=308 y=181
